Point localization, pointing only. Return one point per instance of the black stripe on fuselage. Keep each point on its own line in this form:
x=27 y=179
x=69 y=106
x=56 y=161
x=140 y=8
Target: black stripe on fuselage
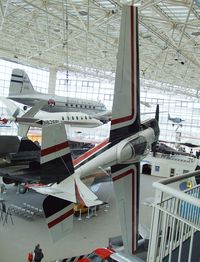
x=13 y=75
x=16 y=81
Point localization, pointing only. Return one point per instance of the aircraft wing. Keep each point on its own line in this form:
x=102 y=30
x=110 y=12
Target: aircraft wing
x=55 y=192
x=76 y=189
x=33 y=111
x=27 y=118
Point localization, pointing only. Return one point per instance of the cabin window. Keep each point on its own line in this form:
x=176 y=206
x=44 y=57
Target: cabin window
x=81 y=118
x=76 y=105
x=81 y=106
x=77 y=118
x=172 y=172
x=86 y=117
x=185 y=171
x=72 y=118
x=63 y=118
x=68 y=118
x=66 y=104
x=93 y=107
x=157 y=168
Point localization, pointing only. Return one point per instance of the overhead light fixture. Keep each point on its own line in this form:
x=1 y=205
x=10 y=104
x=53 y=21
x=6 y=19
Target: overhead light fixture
x=83 y=13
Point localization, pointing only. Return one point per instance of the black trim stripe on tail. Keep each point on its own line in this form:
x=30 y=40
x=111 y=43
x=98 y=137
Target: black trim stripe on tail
x=53 y=205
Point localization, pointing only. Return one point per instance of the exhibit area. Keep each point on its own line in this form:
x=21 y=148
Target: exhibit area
x=99 y=102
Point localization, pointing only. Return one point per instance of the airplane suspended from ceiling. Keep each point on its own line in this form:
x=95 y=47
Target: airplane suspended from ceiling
x=129 y=142
x=34 y=115
x=21 y=90
x=175 y=120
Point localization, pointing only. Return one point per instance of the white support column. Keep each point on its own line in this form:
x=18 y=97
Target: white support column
x=52 y=80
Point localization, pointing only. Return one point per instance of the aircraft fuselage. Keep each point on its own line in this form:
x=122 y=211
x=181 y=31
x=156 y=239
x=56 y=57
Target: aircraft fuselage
x=60 y=104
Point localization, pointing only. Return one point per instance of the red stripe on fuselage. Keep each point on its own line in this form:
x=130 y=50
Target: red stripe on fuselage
x=127 y=118
x=54 y=148
x=89 y=152
x=61 y=218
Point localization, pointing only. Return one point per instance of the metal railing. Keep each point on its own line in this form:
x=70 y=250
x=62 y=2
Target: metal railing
x=175 y=221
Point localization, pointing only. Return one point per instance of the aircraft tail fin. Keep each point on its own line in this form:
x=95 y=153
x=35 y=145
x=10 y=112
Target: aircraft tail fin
x=58 y=206
x=125 y=122
x=20 y=83
x=59 y=216
x=55 y=149
x=126 y=119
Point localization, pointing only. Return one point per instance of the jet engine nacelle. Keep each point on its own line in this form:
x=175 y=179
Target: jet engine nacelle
x=136 y=147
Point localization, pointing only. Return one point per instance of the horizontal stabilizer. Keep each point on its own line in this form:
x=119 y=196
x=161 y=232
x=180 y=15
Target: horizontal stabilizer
x=35 y=109
x=47 y=190
x=59 y=216
x=71 y=190
x=25 y=121
x=84 y=195
x=66 y=190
